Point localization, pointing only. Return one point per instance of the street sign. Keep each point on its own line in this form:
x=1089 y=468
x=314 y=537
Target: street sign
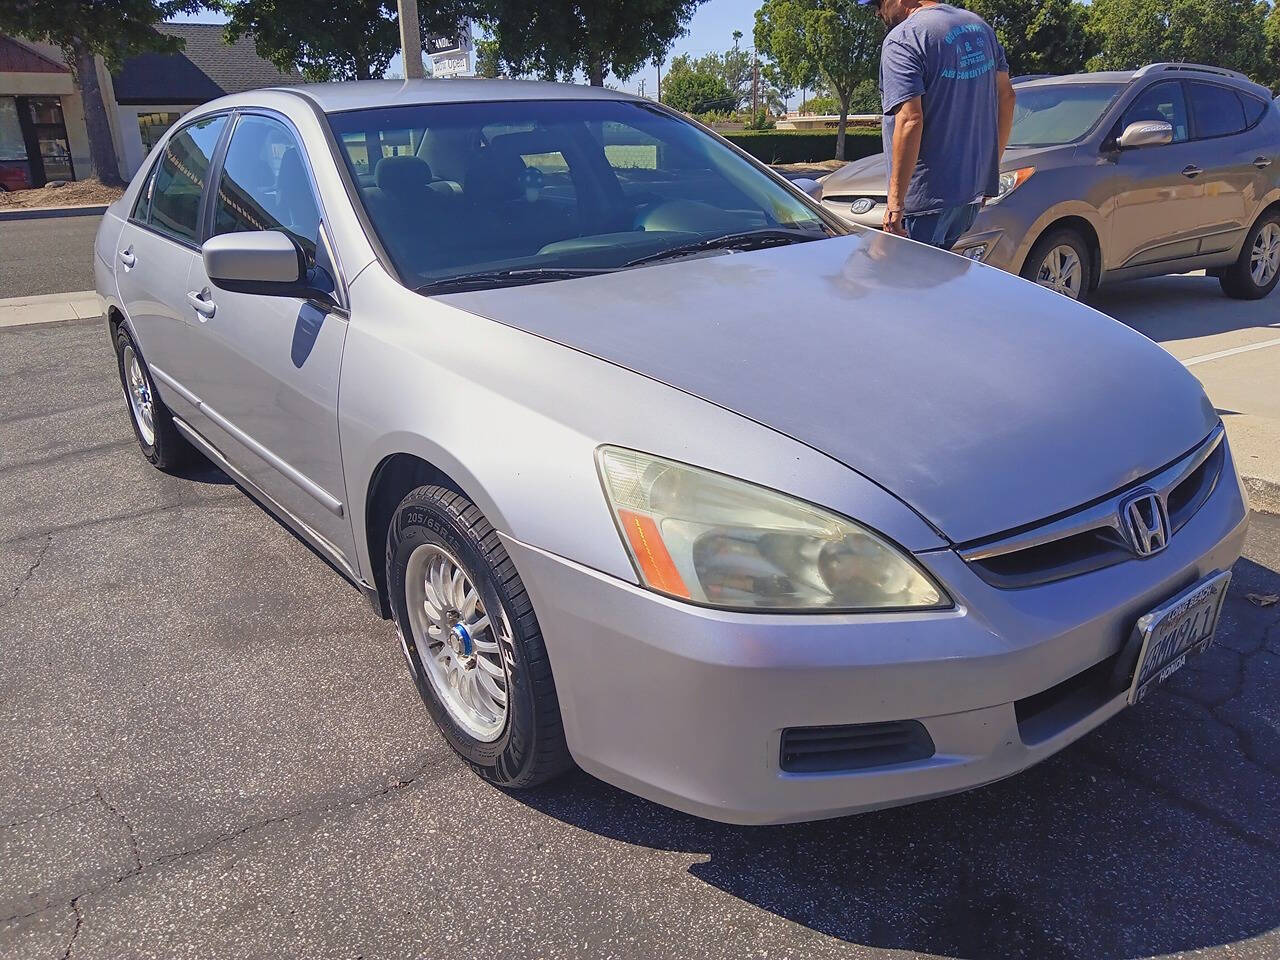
x=451 y=53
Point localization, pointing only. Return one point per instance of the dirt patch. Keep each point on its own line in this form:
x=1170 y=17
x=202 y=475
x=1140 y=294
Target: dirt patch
x=73 y=193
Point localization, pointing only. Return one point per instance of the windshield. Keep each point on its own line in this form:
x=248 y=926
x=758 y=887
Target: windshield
x=1059 y=113
x=532 y=189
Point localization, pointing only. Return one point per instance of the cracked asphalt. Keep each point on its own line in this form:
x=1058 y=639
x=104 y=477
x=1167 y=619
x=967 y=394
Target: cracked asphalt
x=211 y=748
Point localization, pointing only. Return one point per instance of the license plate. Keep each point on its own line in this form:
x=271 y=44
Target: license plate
x=1173 y=632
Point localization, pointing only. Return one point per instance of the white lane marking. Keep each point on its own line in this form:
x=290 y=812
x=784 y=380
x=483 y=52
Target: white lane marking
x=1230 y=353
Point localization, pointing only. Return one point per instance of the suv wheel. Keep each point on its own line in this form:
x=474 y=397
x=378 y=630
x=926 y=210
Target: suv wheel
x=472 y=641
x=1061 y=261
x=1257 y=272
x=159 y=439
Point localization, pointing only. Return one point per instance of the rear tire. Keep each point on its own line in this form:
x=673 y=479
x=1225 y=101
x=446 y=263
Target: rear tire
x=1061 y=261
x=1257 y=271
x=158 y=438
x=515 y=740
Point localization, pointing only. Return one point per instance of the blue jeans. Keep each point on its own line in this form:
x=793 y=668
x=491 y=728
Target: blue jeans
x=942 y=228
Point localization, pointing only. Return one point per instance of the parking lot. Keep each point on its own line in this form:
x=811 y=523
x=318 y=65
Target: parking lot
x=213 y=749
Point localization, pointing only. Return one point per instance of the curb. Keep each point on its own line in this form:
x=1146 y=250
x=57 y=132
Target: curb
x=47 y=213
x=1264 y=495
x=50 y=308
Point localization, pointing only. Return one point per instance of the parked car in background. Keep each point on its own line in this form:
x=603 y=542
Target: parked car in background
x=1116 y=176
x=528 y=365
x=13 y=177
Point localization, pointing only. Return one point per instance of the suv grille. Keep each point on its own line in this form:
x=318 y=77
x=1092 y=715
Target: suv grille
x=1091 y=538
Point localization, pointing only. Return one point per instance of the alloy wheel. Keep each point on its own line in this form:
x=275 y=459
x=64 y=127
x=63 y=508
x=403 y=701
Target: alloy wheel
x=1062 y=271
x=138 y=389
x=1264 y=261
x=463 y=647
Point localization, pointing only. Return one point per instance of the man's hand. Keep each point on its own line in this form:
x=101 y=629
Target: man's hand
x=893 y=222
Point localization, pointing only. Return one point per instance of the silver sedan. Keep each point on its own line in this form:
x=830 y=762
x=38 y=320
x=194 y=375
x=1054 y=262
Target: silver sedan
x=529 y=366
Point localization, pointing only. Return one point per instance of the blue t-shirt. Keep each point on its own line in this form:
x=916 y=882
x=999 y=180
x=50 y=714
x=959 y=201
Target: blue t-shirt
x=950 y=58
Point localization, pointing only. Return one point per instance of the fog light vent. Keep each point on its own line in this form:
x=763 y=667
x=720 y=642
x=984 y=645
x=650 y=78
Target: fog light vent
x=856 y=746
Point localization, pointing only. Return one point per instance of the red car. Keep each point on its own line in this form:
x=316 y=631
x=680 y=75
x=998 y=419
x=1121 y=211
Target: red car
x=13 y=178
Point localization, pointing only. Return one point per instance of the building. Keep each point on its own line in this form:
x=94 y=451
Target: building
x=42 y=130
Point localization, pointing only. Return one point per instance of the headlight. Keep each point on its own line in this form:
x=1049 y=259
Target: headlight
x=714 y=540
x=1011 y=181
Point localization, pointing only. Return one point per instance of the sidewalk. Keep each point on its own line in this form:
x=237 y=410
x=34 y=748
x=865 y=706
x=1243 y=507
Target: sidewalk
x=50 y=308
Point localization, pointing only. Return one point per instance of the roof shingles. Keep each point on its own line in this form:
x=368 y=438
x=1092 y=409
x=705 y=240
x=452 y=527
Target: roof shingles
x=207 y=68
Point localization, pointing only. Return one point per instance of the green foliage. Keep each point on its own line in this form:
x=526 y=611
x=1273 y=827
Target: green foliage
x=799 y=146
x=688 y=86
x=1271 y=73
x=113 y=30
x=557 y=38
x=761 y=121
x=823 y=106
x=1224 y=33
x=335 y=40
x=836 y=41
x=1039 y=36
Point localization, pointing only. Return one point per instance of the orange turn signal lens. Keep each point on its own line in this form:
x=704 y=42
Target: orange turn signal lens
x=651 y=553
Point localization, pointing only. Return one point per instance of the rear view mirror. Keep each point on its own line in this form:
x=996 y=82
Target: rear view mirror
x=1146 y=133
x=812 y=187
x=265 y=262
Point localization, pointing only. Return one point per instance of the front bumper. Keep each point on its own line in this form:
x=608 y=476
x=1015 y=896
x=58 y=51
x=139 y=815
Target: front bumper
x=997 y=238
x=686 y=706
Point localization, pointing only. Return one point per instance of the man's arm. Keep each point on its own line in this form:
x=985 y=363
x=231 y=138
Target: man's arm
x=1004 y=90
x=908 y=128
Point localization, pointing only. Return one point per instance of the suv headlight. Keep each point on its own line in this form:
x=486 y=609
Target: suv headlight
x=708 y=538
x=1011 y=181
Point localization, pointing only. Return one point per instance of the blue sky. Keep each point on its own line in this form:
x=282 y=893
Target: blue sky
x=711 y=29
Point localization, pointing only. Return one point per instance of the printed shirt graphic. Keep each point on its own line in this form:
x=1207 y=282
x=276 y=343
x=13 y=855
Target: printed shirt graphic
x=950 y=58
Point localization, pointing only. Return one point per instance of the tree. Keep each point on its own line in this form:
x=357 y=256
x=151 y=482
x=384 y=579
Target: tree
x=1224 y=33
x=85 y=30
x=691 y=86
x=334 y=40
x=1272 y=34
x=837 y=41
x=557 y=38
x=1039 y=36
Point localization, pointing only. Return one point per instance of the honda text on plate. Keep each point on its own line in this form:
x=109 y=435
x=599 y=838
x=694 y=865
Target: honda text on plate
x=529 y=365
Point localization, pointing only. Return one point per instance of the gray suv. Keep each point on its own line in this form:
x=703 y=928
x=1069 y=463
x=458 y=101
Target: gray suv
x=1116 y=176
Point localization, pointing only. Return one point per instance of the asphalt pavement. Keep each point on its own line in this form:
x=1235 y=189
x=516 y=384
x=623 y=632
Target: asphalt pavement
x=213 y=749
x=52 y=255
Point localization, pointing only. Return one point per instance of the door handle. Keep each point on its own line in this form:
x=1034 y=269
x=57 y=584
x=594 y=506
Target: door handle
x=203 y=306
x=1262 y=163
x=127 y=257
x=1191 y=171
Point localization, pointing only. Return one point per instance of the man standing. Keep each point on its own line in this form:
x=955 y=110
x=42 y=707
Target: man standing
x=948 y=112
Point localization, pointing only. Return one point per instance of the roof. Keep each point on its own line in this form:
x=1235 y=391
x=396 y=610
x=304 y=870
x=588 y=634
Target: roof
x=358 y=94
x=23 y=56
x=1105 y=76
x=208 y=67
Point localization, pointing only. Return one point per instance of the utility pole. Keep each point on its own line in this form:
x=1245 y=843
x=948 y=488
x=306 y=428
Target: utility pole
x=410 y=39
x=658 y=64
x=755 y=87
x=642 y=86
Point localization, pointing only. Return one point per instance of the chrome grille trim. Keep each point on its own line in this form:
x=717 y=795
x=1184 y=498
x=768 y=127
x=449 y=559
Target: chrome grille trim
x=1104 y=516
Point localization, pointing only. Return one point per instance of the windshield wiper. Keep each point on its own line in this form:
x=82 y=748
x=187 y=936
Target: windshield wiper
x=506 y=278
x=746 y=240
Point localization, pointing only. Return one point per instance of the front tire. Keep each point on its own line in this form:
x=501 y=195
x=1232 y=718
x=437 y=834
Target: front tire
x=1257 y=271
x=472 y=641
x=160 y=442
x=1061 y=261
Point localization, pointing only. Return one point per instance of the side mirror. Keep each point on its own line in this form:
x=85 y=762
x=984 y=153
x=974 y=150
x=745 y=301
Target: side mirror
x=812 y=187
x=1145 y=133
x=265 y=262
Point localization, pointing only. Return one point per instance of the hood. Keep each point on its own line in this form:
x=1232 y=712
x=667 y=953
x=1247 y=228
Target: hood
x=870 y=175
x=983 y=401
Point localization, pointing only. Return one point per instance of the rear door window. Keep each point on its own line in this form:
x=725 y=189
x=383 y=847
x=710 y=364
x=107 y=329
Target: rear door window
x=1254 y=109
x=178 y=182
x=1160 y=101
x=1218 y=110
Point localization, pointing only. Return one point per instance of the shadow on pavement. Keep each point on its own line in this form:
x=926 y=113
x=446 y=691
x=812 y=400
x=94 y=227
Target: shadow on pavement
x=1182 y=307
x=1159 y=832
